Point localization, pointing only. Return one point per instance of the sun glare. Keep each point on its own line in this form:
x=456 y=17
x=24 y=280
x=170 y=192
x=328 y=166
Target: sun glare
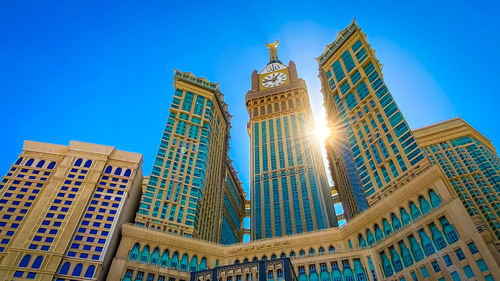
x=322 y=131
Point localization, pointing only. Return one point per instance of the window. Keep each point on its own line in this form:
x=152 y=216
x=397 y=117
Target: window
x=468 y=271
x=64 y=269
x=482 y=265
x=77 y=271
x=424 y=271
x=472 y=248
x=447 y=260
x=25 y=261
x=37 y=263
x=436 y=267
x=460 y=254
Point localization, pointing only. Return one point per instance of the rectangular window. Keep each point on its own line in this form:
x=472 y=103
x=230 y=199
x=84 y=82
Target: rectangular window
x=338 y=71
x=348 y=62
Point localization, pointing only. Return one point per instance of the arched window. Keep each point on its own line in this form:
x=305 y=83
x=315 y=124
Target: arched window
x=40 y=164
x=155 y=257
x=118 y=171
x=25 y=261
x=424 y=205
x=396 y=259
x=174 y=262
x=302 y=253
x=321 y=250
x=203 y=264
x=379 y=235
x=405 y=217
x=414 y=211
x=387 y=227
x=128 y=172
x=396 y=223
x=237 y=261
x=407 y=258
x=283 y=255
x=64 y=269
x=78 y=162
x=292 y=254
x=386 y=265
x=90 y=272
x=87 y=163
x=29 y=162
x=369 y=237
x=273 y=257
x=331 y=249
x=37 y=263
x=426 y=243
x=19 y=161
x=164 y=259
x=145 y=254
x=77 y=271
x=435 y=200
x=264 y=258
x=51 y=165
x=184 y=262
x=245 y=260
x=134 y=253
x=255 y=259
x=312 y=252
x=108 y=170
x=362 y=242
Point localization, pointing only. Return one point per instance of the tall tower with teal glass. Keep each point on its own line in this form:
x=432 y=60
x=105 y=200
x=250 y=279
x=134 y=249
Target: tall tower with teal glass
x=289 y=188
x=365 y=117
x=184 y=194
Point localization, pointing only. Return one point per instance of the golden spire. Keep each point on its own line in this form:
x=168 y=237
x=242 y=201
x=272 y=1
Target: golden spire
x=273 y=50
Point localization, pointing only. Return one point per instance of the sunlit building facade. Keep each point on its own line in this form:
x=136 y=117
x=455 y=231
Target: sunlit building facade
x=471 y=164
x=288 y=184
x=185 y=192
x=419 y=232
x=62 y=209
x=369 y=123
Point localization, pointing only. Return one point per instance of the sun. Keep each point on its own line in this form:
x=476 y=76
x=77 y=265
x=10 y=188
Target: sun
x=322 y=131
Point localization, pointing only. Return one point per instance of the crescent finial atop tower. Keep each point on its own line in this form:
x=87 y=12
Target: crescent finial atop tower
x=273 y=51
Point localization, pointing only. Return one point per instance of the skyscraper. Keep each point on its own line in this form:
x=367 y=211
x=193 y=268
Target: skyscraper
x=62 y=209
x=372 y=133
x=289 y=189
x=185 y=189
x=471 y=164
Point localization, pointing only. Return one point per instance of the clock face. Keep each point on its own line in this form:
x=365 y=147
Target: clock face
x=274 y=79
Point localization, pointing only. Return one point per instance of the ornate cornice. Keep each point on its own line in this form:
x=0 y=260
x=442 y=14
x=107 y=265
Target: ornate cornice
x=342 y=36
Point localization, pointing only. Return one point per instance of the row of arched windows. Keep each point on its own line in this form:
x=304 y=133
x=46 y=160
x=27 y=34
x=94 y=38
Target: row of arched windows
x=25 y=261
x=40 y=164
x=163 y=258
x=79 y=162
x=77 y=270
x=417 y=248
x=118 y=171
x=395 y=222
x=292 y=254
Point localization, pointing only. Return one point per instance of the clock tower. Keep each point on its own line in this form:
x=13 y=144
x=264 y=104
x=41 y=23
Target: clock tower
x=288 y=186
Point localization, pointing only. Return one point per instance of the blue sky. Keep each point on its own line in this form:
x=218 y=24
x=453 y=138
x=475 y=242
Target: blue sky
x=101 y=71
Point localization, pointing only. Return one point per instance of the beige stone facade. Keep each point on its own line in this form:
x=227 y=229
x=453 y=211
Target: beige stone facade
x=447 y=245
x=62 y=210
x=471 y=164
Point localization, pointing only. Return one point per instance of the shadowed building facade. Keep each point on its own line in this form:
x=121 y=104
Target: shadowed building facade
x=185 y=193
x=372 y=135
x=62 y=209
x=288 y=184
x=471 y=164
